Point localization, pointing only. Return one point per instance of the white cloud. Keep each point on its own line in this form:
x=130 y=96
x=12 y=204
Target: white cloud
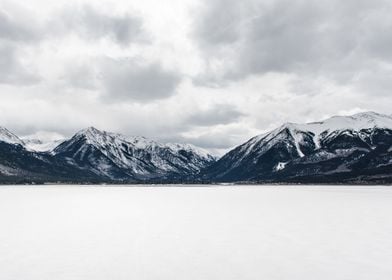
x=212 y=73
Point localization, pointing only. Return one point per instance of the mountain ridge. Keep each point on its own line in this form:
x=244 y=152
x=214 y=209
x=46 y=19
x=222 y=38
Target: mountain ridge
x=340 y=149
x=131 y=156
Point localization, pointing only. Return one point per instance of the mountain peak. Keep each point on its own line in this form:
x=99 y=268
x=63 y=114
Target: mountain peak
x=371 y=116
x=92 y=134
x=8 y=137
x=370 y=113
x=289 y=125
x=90 y=130
x=364 y=120
x=362 y=116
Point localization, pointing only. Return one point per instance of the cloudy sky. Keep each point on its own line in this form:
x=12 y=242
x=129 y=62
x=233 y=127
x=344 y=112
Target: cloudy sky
x=208 y=72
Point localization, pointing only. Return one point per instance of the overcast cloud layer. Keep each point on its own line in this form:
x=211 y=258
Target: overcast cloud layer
x=212 y=73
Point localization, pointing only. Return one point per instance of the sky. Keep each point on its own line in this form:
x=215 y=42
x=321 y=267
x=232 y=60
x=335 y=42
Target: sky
x=208 y=72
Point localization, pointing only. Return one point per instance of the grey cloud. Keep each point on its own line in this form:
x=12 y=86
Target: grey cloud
x=376 y=81
x=334 y=39
x=16 y=33
x=281 y=38
x=90 y=23
x=216 y=25
x=218 y=114
x=14 y=29
x=94 y=24
x=80 y=74
x=130 y=80
x=13 y=71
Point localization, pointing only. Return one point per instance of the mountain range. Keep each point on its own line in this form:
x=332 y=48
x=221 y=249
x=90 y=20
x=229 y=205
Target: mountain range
x=97 y=156
x=353 y=149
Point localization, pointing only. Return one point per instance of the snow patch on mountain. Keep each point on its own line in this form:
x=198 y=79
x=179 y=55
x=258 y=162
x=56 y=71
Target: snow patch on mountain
x=7 y=170
x=280 y=166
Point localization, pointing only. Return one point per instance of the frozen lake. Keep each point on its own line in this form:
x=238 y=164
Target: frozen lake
x=209 y=233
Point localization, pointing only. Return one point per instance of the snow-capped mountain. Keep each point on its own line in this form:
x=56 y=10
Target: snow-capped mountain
x=38 y=145
x=116 y=156
x=42 y=141
x=351 y=149
x=21 y=165
x=38 y=142
x=96 y=156
x=8 y=137
x=338 y=146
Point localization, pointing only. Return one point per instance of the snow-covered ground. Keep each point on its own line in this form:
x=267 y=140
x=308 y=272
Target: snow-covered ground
x=258 y=232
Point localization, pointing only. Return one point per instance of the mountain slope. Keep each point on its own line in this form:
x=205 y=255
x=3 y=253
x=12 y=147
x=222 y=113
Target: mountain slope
x=120 y=157
x=339 y=147
x=8 y=137
x=19 y=165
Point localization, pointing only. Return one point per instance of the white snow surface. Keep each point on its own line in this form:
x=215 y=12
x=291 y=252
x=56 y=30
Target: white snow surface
x=231 y=233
